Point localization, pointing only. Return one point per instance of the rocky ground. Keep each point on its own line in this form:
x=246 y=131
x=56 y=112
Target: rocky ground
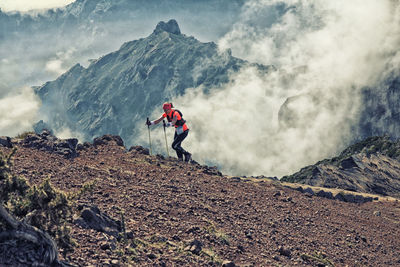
x=186 y=214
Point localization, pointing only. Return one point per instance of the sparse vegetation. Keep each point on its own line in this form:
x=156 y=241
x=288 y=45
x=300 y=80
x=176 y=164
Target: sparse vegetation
x=319 y=258
x=219 y=235
x=374 y=144
x=24 y=135
x=41 y=206
x=212 y=255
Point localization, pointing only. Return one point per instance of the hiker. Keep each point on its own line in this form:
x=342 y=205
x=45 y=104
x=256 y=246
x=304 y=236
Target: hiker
x=175 y=119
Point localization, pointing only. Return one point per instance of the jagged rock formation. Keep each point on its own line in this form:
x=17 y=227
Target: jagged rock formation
x=5 y=141
x=47 y=142
x=370 y=166
x=116 y=92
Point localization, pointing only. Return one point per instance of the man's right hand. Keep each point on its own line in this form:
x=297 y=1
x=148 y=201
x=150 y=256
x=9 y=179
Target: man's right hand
x=148 y=122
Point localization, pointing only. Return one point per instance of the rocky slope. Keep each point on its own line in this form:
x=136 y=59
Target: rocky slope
x=119 y=90
x=179 y=214
x=370 y=166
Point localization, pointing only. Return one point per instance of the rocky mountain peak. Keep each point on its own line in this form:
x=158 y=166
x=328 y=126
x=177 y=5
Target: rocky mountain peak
x=171 y=26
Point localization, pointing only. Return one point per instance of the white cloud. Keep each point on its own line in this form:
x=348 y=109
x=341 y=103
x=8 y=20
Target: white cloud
x=26 y=5
x=18 y=112
x=57 y=64
x=66 y=133
x=325 y=52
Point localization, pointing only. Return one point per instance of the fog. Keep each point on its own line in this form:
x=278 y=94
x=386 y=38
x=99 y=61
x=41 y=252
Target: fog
x=324 y=52
x=26 y=5
x=18 y=110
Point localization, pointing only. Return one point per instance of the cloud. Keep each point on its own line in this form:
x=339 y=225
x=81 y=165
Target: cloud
x=26 y=5
x=66 y=133
x=56 y=64
x=19 y=112
x=325 y=53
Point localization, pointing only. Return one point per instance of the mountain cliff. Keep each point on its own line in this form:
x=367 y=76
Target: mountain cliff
x=370 y=166
x=117 y=91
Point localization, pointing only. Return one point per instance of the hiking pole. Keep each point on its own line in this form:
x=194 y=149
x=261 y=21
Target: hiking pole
x=148 y=127
x=165 y=134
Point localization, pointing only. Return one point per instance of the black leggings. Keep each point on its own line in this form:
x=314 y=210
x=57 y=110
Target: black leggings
x=176 y=145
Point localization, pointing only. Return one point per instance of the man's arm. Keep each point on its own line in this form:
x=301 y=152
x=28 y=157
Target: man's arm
x=158 y=120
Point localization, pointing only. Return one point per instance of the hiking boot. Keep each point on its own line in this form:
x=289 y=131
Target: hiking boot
x=180 y=159
x=188 y=157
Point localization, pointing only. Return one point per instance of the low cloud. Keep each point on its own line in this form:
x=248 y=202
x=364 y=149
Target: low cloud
x=26 y=5
x=325 y=54
x=19 y=112
x=59 y=64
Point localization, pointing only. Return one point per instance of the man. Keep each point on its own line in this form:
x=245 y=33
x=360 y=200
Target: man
x=175 y=119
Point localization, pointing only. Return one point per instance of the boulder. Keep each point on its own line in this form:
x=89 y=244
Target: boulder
x=108 y=138
x=5 y=141
x=92 y=218
x=47 y=142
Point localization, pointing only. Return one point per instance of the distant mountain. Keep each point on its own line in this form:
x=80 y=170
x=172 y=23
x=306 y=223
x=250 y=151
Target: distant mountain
x=94 y=15
x=38 y=46
x=370 y=166
x=117 y=91
x=380 y=113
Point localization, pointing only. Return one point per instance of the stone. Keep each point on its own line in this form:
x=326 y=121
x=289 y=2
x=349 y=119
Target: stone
x=93 y=218
x=104 y=245
x=49 y=143
x=284 y=251
x=6 y=141
x=108 y=138
x=195 y=247
x=228 y=263
x=377 y=213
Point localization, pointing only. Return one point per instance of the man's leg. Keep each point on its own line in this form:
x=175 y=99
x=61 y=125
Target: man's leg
x=176 y=144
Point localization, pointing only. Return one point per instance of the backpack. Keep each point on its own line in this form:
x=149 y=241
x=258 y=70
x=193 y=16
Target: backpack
x=180 y=122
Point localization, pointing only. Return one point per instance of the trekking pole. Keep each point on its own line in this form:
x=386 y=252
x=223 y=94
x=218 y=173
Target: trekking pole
x=148 y=127
x=165 y=134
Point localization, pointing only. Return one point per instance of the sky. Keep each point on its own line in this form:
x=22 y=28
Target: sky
x=25 y=5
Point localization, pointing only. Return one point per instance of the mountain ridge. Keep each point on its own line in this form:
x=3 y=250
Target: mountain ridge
x=370 y=166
